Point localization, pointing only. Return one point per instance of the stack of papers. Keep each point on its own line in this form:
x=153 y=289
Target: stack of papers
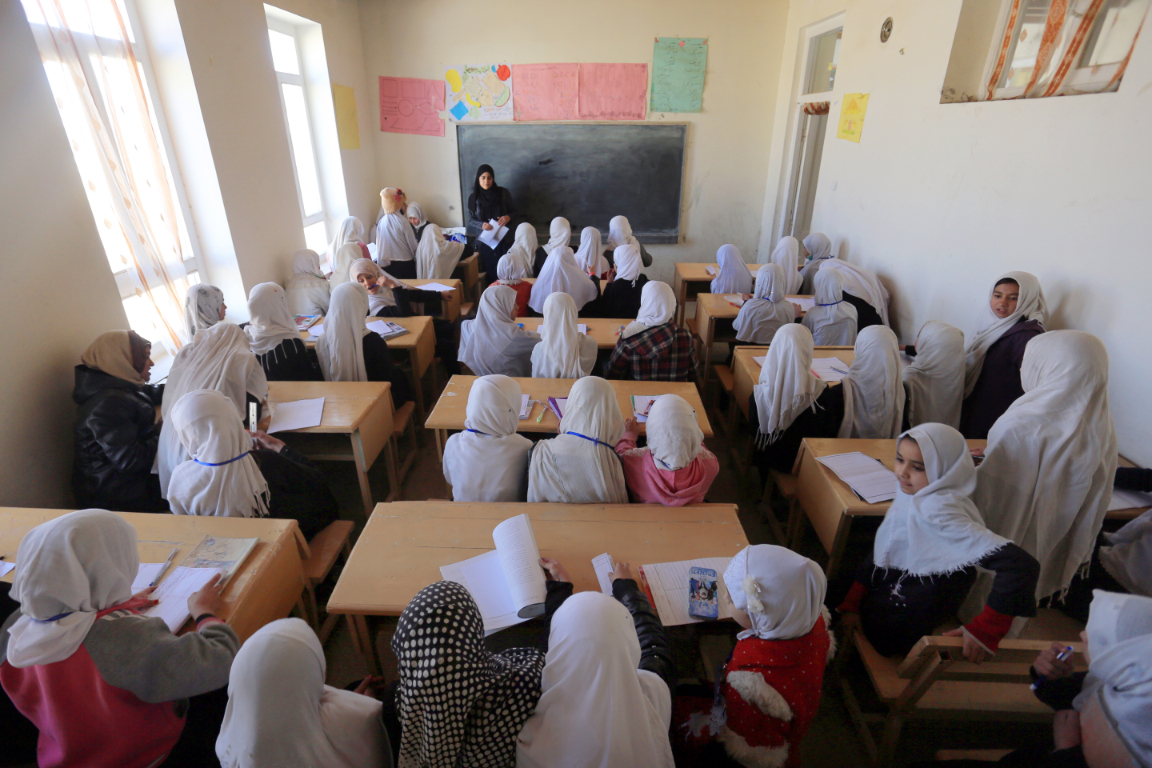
x=303 y=321
x=298 y=414
x=829 y=368
x=640 y=406
x=492 y=237
x=667 y=587
x=867 y=477
x=806 y=305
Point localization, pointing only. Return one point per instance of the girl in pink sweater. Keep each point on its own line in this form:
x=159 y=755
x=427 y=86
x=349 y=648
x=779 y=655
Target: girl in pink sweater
x=675 y=469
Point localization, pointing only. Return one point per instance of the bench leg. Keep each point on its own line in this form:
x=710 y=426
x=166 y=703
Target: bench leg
x=362 y=639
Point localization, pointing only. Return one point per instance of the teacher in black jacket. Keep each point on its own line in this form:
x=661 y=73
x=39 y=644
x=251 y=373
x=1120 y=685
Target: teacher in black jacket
x=489 y=202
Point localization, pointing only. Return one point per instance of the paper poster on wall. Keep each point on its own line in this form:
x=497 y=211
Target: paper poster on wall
x=479 y=92
x=546 y=91
x=411 y=105
x=678 y=65
x=347 y=121
x=613 y=91
x=852 y=111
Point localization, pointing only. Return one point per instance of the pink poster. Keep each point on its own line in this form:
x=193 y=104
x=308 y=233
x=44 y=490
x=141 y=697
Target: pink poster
x=546 y=92
x=411 y=105
x=613 y=91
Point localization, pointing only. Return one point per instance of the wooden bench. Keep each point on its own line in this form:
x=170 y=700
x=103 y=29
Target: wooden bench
x=325 y=548
x=466 y=309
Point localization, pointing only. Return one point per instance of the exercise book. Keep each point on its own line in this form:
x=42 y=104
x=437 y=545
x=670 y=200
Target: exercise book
x=867 y=477
x=666 y=585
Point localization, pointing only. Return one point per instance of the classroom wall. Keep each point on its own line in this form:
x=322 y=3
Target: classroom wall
x=51 y=249
x=727 y=143
x=940 y=199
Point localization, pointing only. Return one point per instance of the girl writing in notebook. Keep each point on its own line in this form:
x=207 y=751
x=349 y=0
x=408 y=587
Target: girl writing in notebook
x=348 y=351
x=307 y=288
x=733 y=276
x=494 y=342
x=488 y=461
x=675 y=468
x=274 y=339
x=873 y=388
x=653 y=347
x=624 y=289
x=526 y=250
x=934 y=382
x=767 y=310
x=563 y=352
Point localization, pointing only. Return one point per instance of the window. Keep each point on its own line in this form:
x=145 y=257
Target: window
x=823 y=51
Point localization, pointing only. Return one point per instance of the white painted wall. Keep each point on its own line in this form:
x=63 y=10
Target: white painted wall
x=728 y=142
x=940 y=199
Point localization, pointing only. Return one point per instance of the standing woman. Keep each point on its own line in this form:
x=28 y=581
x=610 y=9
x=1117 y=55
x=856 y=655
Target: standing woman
x=395 y=241
x=934 y=381
x=589 y=257
x=274 y=339
x=307 y=288
x=624 y=291
x=493 y=342
x=1015 y=315
x=832 y=321
x=620 y=233
x=563 y=352
x=767 y=311
x=734 y=276
x=819 y=249
x=787 y=256
x=348 y=351
x=489 y=202
x=203 y=307
x=873 y=388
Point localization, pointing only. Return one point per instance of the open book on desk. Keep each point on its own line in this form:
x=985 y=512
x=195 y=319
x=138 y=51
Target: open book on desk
x=666 y=585
x=508 y=582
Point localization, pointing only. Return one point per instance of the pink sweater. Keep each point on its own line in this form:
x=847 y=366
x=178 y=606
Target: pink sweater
x=671 y=487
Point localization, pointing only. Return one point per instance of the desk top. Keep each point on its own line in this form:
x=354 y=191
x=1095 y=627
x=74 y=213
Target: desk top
x=248 y=596
x=405 y=543
x=689 y=271
x=449 y=410
x=346 y=403
x=451 y=282
x=717 y=306
x=605 y=330
x=417 y=327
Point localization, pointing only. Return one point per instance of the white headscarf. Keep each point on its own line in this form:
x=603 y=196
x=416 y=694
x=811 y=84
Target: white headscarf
x=787 y=385
x=395 y=240
x=524 y=247
x=657 y=305
x=1120 y=671
x=437 y=257
x=1128 y=555
x=488 y=461
x=590 y=256
x=202 y=306
x=416 y=212
x=861 y=283
x=598 y=709
x=340 y=348
x=560 y=273
x=832 y=321
x=938 y=529
x=580 y=465
x=351 y=230
x=781 y=591
x=307 y=288
x=558 y=355
x=346 y=256
x=493 y=342
x=674 y=434
x=767 y=311
x=620 y=233
x=559 y=234
x=819 y=249
x=787 y=255
x=1031 y=305
x=873 y=388
x=281 y=714
x=381 y=296
x=628 y=263
x=218 y=358
x=734 y=276
x=68 y=570
x=221 y=478
x=271 y=324
x=935 y=380
x=1047 y=474
x=510 y=270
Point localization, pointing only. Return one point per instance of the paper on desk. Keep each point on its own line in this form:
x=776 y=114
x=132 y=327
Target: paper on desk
x=525 y=406
x=640 y=406
x=316 y=329
x=760 y=360
x=1120 y=500
x=173 y=594
x=580 y=327
x=667 y=584
x=6 y=567
x=298 y=414
x=734 y=298
x=558 y=404
x=603 y=565
x=147 y=574
x=435 y=287
x=829 y=368
x=492 y=237
x=386 y=329
x=866 y=476
x=806 y=305
x=710 y=270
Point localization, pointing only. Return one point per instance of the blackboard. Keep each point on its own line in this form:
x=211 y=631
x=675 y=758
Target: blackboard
x=587 y=173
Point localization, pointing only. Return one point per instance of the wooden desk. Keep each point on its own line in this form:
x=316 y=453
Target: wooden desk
x=361 y=411
x=606 y=331
x=468 y=272
x=688 y=279
x=448 y=413
x=714 y=316
x=404 y=544
x=450 y=305
x=265 y=588
x=746 y=371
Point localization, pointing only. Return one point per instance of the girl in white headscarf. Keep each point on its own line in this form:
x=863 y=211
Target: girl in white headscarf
x=563 y=352
x=873 y=388
x=927 y=550
x=418 y=220
x=869 y=295
x=488 y=461
x=437 y=257
x=734 y=276
x=832 y=321
x=675 y=469
x=560 y=273
x=559 y=234
x=620 y=233
x=589 y=256
x=767 y=311
x=934 y=382
x=510 y=273
x=526 y=249
x=281 y=714
x=624 y=291
x=1047 y=474
x=347 y=255
x=380 y=286
x=348 y=351
x=579 y=465
x=81 y=663
x=1014 y=316
x=652 y=347
x=605 y=702
x=819 y=249
x=219 y=358
x=787 y=256
x=351 y=230
x=307 y=288
x=395 y=241
x=493 y=342
x=274 y=339
x=203 y=307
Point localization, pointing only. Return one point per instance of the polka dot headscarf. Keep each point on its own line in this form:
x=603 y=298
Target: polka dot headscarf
x=459 y=704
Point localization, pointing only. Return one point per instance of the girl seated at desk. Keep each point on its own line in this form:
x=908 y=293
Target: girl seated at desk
x=934 y=382
x=675 y=468
x=559 y=234
x=864 y=291
x=832 y=320
x=348 y=351
x=437 y=256
x=203 y=307
x=734 y=276
x=653 y=347
x=590 y=256
x=620 y=233
x=873 y=388
x=347 y=255
x=350 y=231
x=488 y=461
x=510 y=273
x=767 y=311
x=819 y=249
x=307 y=288
x=395 y=241
x=787 y=256
x=624 y=291
x=274 y=339
x=563 y=352
x=494 y=342
x=526 y=250
x=560 y=273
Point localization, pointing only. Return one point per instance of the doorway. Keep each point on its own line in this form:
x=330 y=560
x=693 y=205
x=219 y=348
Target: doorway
x=805 y=172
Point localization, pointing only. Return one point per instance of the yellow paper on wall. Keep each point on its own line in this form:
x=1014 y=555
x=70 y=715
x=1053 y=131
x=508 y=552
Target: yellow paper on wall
x=852 y=111
x=347 y=122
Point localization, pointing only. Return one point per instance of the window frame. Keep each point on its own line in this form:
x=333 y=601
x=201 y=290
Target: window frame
x=810 y=34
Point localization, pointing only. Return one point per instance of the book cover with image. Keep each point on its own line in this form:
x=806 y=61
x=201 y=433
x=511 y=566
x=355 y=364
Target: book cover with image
x=703 y=598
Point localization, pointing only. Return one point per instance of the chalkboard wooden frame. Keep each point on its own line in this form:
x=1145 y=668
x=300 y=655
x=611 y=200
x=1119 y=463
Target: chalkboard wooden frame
x=567 y=169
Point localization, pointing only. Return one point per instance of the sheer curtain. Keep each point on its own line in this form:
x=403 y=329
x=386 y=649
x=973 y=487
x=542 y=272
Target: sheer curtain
x=88 y=51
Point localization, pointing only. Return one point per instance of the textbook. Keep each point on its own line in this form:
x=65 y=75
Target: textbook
x=640 y=406
x=387 y=329
x=703 y=594
x=558 y=404
x=303 y=322
x=508 y=582
x=867 y=477
x=668 y=590
x=225 y=555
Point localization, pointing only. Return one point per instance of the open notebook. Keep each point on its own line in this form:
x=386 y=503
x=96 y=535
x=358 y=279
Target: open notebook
x=666 y=585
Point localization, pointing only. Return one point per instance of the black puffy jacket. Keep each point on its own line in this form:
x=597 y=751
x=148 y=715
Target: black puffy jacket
x=116 y=438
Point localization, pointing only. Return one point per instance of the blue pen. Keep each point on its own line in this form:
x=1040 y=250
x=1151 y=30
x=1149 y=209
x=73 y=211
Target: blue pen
x=1062 y=656
x=840 y=371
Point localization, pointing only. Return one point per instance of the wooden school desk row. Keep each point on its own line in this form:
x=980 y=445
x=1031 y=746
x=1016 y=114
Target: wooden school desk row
x=691 y=279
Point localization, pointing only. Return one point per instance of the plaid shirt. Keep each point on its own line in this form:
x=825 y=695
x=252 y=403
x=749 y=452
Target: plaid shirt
x=663 y=353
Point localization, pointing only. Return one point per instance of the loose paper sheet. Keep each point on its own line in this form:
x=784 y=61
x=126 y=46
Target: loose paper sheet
x=7 y=567
x=678 y=66
x=546 y=91
x=1120 y=500
x=852 y=111
x=612 y=91
x=829 y=368
x=298 y=414
x=668 y=583
x=317 y=329
x=147 y=574
x=479 y=92
x=735 y=299
x=347 y=121
x=492 y=237
x=173 y=594
x=867 y=477
x=710 y=270
x=806 y=305
x=434 y=287
x=411 y=105
x=604 y=565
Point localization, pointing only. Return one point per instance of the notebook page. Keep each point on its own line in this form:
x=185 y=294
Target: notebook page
x=829 y=368
x=866 y=476
x=483 y=577
x=1129 y=500
x=525 y=406
x=668 y=583
x=173 y=594
x=298 y=414
x=806 y=305
x=710 y=270
x=734 y=298
x=604 y=565
x=147 y=574
x=434 y=287
x=516 y=545
x=640 y=407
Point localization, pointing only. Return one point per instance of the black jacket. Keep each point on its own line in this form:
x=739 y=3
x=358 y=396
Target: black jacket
x=116 y=438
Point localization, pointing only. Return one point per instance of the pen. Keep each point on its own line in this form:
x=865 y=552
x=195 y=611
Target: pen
x=167 y=563
x=840 y=371
x=1062 y=656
